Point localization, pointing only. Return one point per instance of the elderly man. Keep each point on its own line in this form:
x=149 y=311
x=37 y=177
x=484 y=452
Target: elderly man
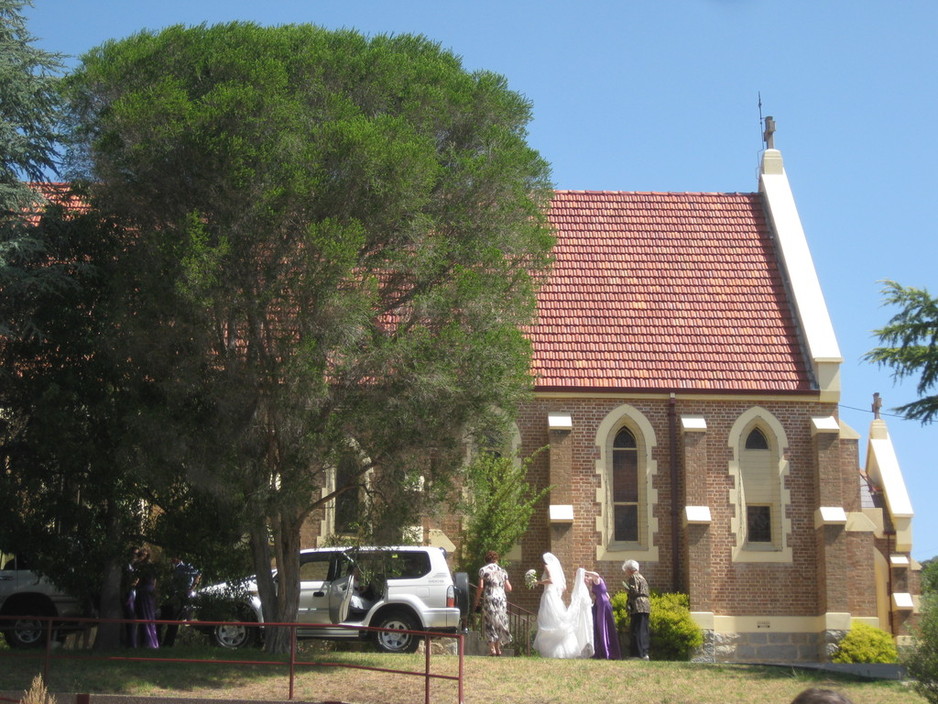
x=639 y=607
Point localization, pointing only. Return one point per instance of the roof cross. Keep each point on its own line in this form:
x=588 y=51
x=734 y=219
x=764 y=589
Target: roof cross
x=769 y=135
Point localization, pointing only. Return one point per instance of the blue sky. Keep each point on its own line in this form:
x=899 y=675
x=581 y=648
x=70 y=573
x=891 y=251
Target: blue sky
x=664 y=96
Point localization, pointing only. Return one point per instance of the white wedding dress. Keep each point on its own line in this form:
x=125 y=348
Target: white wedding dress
x=564 y=631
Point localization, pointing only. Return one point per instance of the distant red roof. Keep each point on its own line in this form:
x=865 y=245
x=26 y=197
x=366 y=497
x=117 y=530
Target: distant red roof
x=56 y=193
x=665 y=292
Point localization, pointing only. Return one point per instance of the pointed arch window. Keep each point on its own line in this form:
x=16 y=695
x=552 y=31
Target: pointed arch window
x=348 y=503
x=626 y=496
x=761 y=495
x=759 y=468
x=625 y=487
x=756 y=440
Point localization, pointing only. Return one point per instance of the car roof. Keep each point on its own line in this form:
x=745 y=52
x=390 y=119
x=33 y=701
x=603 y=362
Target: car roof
x=386 y=548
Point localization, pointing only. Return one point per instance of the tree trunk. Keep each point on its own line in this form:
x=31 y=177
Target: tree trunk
x=109 y=633
x=280 y=600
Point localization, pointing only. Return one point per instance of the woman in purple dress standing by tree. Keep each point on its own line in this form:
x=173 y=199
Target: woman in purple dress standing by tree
x=605 y=635
x=145 y=602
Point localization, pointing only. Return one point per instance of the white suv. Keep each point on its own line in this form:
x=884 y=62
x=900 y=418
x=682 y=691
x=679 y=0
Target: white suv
x=24 y=595
x=406 y=588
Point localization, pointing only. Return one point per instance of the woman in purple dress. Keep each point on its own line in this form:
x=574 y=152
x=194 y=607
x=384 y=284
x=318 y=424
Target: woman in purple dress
x=145 y=602
x=605 y=635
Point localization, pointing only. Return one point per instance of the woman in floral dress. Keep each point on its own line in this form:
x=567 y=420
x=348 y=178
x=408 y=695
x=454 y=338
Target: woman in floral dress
x=491 y=591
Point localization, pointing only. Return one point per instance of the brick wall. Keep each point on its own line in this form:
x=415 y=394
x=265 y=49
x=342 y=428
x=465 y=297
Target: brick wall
x=823 y=471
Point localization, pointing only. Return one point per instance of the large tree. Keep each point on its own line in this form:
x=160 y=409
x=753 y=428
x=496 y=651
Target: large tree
x=910 y=346
x=336 y=242
x=28 y=111
x=29 y=119
x=71 y=487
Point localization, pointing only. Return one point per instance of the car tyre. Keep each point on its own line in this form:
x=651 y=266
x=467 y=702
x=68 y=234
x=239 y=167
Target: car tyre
x=395 y=640
x=461 y=587
x=25 y=633
x=234 y=636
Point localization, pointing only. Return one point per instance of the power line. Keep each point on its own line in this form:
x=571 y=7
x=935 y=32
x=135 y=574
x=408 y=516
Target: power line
x=867 y=410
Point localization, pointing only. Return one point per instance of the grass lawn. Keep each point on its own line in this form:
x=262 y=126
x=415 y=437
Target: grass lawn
x=508 y=680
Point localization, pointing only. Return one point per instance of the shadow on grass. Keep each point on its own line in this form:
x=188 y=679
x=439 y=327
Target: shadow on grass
x=784 y=672
x=130 y=671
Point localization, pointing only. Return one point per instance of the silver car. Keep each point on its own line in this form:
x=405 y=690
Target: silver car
x=24 y=595
x=402 y=588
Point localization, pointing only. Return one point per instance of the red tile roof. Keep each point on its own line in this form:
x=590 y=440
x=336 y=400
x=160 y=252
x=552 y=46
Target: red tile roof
x=665 y=292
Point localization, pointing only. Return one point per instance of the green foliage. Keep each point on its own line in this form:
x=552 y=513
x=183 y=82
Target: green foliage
x=28 y=111
x=866 y=644
x=620 y=610
x=921 y=661
x=674 y=633
x=910 y=346
x=497 y=508
x=929 y=575
x=331 y=244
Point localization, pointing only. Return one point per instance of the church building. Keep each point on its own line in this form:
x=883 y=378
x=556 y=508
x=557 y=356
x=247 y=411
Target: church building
x=687 y=380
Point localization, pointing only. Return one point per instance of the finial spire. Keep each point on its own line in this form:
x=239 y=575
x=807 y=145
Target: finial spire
x=877 y=404
x=769 y=135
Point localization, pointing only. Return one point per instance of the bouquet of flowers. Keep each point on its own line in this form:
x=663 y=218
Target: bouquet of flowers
x=530 y=579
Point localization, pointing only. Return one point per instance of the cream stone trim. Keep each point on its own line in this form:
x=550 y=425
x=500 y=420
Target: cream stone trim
x=866 y=620
x=328 y=514
x=902 y=601
x=866 y=520
x=828 y=424
x=693 y=424
x=704 y=619
x=607 y=550
x=697 y=515
x=560 y=513
x=781 y=551
x=559 y=421
x=438 y=539
x=882 y=466
x=831 y=621
x=605 y=553
x=830 y=516
x=848 y=433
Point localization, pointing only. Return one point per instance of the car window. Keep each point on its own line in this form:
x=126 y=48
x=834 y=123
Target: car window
x=314 y=568
x=12 y=562
x=395 y=564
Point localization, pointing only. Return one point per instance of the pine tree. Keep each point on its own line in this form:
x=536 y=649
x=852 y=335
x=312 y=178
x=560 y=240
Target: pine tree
x=910 y=346
x=29 y=113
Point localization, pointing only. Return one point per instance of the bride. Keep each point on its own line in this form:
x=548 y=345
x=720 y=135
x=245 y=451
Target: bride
x=563 y=631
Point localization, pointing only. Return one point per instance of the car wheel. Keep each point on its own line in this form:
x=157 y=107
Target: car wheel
x=234 y=635
x=395 y=640
x=25 y=632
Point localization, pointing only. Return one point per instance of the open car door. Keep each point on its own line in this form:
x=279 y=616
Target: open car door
x=340 y=596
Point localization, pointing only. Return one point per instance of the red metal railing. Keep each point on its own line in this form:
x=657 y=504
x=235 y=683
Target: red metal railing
x=53 y=625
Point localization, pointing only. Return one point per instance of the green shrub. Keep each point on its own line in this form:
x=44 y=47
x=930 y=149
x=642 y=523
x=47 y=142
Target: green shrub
x=674 y=633
x=921 y=661
x=620 y=611
x=865 y=644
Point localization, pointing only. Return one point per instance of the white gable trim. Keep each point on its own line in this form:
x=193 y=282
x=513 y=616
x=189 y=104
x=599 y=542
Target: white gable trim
x=802 y=277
